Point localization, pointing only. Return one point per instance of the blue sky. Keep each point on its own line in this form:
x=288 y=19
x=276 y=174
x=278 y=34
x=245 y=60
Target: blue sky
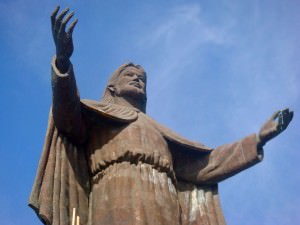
x=216 y=71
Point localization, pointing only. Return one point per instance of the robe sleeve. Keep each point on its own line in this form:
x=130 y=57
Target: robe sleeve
x=66 y=106
x=222 y=163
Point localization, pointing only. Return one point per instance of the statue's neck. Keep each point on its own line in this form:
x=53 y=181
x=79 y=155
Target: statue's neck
x=131 y=103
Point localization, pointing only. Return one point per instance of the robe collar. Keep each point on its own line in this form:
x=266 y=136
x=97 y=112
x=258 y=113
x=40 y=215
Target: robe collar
x=126 y=114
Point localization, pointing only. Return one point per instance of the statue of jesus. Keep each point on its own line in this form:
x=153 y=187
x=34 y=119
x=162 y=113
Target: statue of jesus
x=117 y=166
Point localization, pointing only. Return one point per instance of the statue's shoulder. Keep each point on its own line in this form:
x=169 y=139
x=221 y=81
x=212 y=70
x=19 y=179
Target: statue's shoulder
x=110 y=111
x=175 y=138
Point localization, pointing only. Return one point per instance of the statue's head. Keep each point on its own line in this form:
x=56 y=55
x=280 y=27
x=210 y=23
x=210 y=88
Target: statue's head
x=127 y=82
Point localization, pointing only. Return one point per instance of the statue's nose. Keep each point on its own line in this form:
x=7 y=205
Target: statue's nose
x=135 y=77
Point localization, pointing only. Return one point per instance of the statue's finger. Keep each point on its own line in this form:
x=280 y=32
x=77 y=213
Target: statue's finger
x=275 y=115
x=58 y=20
x=288 y=117
x=72 y=26
x=64 y=23
x=53 y=15
x=280 y=121
x=62 y=14
x=291 y=115
x=285 y=111
x=285 y=121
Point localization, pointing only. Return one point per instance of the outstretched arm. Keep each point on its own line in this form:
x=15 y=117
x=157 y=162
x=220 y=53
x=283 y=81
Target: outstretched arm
x=66 y=102
x=220 y=164
x=227 y=160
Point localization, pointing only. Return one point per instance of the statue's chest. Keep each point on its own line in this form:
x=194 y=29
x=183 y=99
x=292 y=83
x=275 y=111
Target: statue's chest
x=138 y=137
x=141 y=134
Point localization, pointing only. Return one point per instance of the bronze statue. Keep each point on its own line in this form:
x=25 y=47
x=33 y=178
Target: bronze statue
x=115 y=165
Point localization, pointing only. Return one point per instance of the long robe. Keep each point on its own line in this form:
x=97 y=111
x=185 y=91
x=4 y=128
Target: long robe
x=116 y=165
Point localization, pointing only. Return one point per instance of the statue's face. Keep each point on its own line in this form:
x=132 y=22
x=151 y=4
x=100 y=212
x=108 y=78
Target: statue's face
x=131 y=83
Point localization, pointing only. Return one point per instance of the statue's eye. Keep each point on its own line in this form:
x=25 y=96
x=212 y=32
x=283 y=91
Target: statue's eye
x=129 y=74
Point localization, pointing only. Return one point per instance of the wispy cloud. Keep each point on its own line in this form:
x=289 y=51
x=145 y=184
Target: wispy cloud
x=183 y=23
x=177 y=36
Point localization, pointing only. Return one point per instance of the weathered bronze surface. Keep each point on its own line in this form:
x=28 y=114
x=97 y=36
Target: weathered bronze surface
x=115 y=165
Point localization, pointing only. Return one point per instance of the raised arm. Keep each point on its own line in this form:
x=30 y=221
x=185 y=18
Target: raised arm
x=66 y=101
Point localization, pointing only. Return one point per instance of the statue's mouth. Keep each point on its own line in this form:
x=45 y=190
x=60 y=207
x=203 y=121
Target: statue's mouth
x=136 y=84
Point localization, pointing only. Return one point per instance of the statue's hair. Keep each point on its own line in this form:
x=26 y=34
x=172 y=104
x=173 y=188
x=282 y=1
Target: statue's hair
x=107 y=96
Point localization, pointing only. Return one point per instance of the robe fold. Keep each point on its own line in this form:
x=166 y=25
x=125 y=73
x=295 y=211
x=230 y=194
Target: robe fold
x=63 y=179
x=116 y=166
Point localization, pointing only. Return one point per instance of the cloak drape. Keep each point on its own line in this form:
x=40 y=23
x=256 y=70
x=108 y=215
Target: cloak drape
x=63 y=180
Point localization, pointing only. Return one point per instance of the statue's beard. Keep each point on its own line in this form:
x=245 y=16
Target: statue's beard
x=137 y=98
x=132 y=94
